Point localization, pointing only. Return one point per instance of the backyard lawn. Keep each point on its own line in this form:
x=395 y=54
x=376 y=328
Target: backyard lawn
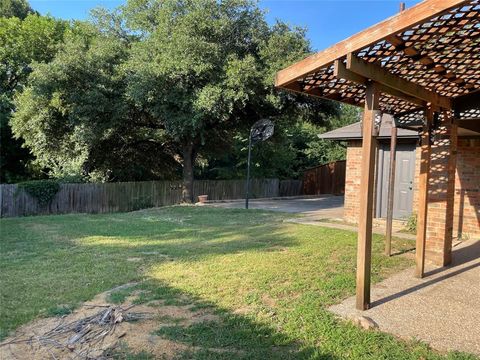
x=268 y=280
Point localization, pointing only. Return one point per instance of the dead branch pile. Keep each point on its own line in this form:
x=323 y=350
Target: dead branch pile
x=83 y=338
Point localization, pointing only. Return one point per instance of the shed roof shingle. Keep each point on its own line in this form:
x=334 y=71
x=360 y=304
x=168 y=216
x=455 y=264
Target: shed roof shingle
x=354 y=131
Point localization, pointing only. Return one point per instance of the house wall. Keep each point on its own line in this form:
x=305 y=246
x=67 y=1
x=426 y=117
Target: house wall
x=352 y=181
x=438 y=243
x=466 y=219
x=466 y=209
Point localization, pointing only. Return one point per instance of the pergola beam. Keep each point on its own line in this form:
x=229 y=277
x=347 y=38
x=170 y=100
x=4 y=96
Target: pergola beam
x=378 y=74
x=470 y=124
x=316 y=92
x=391 y=26
x=467 y=102
x=341 y=72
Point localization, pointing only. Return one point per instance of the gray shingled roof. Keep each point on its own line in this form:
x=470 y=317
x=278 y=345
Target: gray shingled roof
x=354 y=131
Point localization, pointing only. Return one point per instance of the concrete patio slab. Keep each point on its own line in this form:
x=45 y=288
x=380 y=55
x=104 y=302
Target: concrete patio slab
x=378 y=228
x=442 y=309
x=321 y=207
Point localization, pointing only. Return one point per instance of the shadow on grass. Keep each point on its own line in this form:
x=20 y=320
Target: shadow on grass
x=67 y=259
x=404 y=251
x=161 y=231
x=228 y=336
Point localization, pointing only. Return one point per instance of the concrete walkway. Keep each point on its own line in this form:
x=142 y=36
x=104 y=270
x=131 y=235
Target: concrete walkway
x=315 y=210
x=318 y=207
x=442 y=309
x=378 y=227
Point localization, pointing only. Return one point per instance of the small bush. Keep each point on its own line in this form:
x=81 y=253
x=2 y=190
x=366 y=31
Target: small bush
x=142 y=202
x=42 y=190
x=60 y=310
x=411 y=225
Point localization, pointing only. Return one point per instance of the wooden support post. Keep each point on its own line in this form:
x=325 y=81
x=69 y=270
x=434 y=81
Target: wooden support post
x=423 y=180
x=391 y=189
x=364 y=247
x=391 y=180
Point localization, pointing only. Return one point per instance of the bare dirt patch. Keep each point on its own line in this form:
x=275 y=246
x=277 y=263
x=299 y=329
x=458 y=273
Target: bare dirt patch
x=34 y=340
x=269 y=301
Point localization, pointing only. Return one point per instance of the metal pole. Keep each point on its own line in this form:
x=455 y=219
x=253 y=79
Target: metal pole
x=391 y=189
x=248 y=169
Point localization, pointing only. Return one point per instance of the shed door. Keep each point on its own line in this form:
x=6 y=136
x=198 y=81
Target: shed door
x=404 y=176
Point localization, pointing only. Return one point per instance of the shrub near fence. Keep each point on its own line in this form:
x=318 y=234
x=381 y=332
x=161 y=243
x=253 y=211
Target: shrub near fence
x=129 y=196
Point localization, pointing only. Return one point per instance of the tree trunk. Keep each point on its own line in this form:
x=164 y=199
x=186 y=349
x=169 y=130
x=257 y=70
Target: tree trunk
x=188 y=161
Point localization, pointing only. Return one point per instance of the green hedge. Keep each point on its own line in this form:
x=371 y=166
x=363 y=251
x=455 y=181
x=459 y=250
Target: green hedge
x=42 y=190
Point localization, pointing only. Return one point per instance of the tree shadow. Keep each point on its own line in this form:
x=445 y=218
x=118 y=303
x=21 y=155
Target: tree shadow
x=404 y=251
x=227 y=335
x=193 y=237
x=111 y=250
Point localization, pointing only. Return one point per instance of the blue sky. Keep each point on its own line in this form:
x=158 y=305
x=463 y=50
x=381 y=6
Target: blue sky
x=327 y=21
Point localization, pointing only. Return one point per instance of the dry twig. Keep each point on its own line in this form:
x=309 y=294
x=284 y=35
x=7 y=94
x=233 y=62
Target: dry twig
x=82 y=337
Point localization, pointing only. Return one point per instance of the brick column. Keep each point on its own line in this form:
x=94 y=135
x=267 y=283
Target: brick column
x=466 y=224
x=438 y=247
x=352 y=181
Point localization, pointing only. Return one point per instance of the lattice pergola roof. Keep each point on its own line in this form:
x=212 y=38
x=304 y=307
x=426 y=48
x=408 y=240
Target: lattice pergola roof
x=434 y=45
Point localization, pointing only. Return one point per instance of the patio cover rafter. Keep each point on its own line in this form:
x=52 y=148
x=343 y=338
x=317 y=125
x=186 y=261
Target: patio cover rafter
x=341 y=72
x=426 y=54
x=388 y=27
x=380 y=75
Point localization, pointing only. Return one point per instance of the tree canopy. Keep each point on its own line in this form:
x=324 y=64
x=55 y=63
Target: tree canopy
x=15 y=8
x=294 y=148
x=23 y=42
x=153 y=84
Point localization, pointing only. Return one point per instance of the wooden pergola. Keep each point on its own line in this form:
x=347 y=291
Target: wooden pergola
x=423 y=67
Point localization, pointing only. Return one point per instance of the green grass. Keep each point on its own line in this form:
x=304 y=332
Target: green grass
x=269 y=281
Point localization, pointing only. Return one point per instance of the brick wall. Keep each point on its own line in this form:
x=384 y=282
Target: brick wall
x=466 y=210
x=418 y=154
x=441 y=184
x=466 y=223
x=352 y=181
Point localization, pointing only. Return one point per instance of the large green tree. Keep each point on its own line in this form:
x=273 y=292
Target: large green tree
x=203 y=69
x=22 y=42
x=15 y=8
x=77 y=120
x=179 y=77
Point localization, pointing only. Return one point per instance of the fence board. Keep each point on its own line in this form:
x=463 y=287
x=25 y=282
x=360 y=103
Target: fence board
x=128 y=196
x=290 y=188
x=325 y=179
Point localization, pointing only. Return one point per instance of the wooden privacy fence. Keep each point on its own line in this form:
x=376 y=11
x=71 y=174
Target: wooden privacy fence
x=129 y=196
x=325 y=179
